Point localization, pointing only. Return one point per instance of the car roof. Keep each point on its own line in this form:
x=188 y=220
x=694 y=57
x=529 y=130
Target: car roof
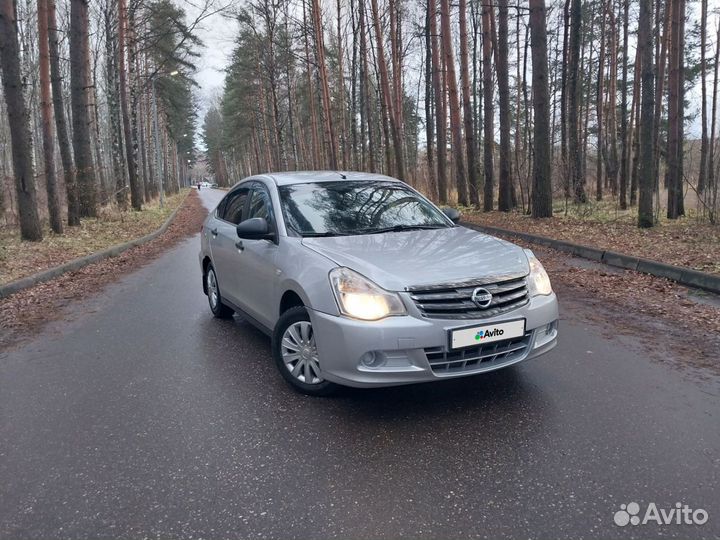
x=305 y=177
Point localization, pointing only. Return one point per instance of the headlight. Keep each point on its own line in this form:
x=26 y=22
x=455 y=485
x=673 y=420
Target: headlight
x=360 y=298
x=538 y=280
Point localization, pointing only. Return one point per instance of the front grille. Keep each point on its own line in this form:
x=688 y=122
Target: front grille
x=477 y=356
x=454 y=301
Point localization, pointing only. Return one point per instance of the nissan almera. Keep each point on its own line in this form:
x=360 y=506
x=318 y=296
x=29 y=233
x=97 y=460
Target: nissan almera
x=361 y=281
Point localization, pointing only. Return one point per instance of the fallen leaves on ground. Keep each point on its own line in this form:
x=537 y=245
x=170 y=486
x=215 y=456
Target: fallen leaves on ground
x=657 y=312
x=683 y=242
x=26 y=311
x=20 y=258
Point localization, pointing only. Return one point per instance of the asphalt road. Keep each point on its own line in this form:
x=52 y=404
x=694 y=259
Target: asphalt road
x=143 y=416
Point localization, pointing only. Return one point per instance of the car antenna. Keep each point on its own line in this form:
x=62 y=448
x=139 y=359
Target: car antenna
x=341 y=175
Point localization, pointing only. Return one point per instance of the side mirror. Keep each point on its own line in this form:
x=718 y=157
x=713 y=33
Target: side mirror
x=254 y=229
x=452 y=213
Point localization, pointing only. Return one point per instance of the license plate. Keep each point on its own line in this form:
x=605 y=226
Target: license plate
x=487 y=333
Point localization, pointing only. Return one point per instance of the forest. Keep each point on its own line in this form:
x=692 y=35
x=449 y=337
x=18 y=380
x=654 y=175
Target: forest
x=485 y=105
x=98 y=108
x=520 y=107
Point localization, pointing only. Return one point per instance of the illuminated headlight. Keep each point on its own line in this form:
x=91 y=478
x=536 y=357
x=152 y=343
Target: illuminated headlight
x=538 y=280
x=360 y=298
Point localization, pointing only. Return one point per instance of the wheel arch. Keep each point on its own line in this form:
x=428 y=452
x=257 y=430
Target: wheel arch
x=289 y=300
x=292 y=296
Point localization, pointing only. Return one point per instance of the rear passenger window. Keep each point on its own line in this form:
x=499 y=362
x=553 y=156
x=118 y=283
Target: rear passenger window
x=232 y=208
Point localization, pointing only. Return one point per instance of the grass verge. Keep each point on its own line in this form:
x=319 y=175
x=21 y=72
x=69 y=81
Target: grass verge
x=19 y=259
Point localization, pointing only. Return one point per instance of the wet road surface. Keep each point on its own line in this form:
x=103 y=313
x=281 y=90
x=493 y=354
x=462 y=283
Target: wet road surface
x=145 y=417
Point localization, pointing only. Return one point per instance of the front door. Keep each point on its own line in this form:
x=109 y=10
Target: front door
x=257 y=276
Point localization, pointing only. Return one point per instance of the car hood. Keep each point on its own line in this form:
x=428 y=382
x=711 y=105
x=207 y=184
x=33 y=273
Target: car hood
x=397 y=260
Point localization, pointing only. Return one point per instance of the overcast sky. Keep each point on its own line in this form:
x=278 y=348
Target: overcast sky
x=217 y=33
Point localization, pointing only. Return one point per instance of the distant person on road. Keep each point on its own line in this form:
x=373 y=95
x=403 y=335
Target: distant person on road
x=199 y=185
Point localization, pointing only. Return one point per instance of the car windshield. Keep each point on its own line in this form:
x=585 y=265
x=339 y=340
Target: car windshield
x=356 y=207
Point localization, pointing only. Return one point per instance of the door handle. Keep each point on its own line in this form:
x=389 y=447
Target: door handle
x=213 y=232
x=239 y=245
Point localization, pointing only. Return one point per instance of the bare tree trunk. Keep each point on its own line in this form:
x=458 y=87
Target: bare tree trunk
x=455 y=129
x=702 y=176
x=680 y=196
x=584 y=106
x=542 y=181
x=80 y=99
x=313 y=113
x=136 y=195
x=386 y=94
x=341 y=83
x=429 y=121
x=324 y=86
x=397 y=78
x=366 y=104
x=73 y=211
x=19 y=122
x=439 y=91
x=664 y=40
x=147 y=173
x=467 y=108
x=599 y=108
x=148 y=186
x=675 y=113
x=565 y=164
x=113 y=90
x=611 y=163
x=711 y=150
x=477 y=87
x=647 y=110
x=505 y=181
x=46 y=107
x=635 y=128
x=488 y=112
x=354 y=89
x=575 y=93
x=520 y=82
x=624 y=160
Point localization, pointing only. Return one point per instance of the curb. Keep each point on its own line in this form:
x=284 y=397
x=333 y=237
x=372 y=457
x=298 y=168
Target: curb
x=680 y=274
x=75 y=264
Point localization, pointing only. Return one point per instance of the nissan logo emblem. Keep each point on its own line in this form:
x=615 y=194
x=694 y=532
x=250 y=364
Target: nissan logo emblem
x=482 y=297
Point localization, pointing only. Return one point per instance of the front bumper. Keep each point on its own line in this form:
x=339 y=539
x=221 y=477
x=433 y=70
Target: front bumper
x=396 y=350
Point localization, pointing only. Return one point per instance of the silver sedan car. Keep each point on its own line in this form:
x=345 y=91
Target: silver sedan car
x=361 y=281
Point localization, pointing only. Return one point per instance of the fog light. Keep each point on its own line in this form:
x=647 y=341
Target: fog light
x=373 y=359
x=545 y=334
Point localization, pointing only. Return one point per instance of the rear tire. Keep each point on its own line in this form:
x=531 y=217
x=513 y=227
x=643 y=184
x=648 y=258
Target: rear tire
x=219 y=310
x=295 y=353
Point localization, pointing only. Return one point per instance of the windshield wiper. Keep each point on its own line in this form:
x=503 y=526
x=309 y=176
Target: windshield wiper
x=400 y=228
x=325 y=234
x=319 y=234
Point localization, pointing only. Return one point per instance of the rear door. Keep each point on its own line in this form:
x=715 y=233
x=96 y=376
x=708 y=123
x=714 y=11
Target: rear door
x=223 y=239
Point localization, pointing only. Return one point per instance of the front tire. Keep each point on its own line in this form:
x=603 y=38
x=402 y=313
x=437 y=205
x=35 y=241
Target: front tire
x=295 y=353
x=219 y=310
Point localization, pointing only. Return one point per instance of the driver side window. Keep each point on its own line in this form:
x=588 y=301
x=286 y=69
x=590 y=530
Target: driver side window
x=260 y=205
x=232 y=208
